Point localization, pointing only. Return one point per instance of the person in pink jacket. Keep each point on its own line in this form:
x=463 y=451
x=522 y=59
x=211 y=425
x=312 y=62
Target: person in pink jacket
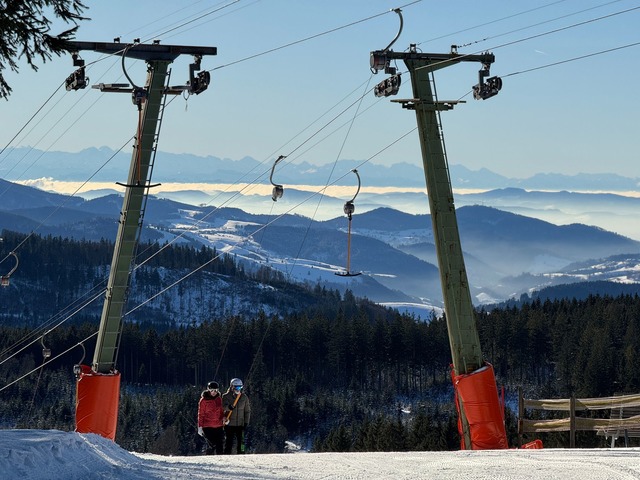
x=211 y=418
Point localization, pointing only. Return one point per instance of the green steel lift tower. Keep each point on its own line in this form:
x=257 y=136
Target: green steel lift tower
x=468 y=365
x=98 y=385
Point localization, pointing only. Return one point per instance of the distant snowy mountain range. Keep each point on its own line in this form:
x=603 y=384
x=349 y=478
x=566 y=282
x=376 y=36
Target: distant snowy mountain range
x=104 y=164
x=506 y=254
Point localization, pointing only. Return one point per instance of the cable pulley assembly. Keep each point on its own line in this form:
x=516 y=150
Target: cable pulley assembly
x=486 y=88
x=380 y=61
x=77 y=80
x=278 y=190
x=349 y=209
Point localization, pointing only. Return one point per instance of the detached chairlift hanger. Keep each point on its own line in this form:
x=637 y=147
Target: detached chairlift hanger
x=278 y=190
x=349 y=209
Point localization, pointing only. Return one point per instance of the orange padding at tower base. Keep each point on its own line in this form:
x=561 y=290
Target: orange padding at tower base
x=478 y=395
x=97 y=399
x=534 y=445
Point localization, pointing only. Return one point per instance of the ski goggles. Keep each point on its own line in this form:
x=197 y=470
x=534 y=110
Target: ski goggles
x=237 y=388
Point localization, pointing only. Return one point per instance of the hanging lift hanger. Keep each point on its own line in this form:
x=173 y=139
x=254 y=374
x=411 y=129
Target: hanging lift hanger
x=4 y=279
x=349 y=209
x=278 y=190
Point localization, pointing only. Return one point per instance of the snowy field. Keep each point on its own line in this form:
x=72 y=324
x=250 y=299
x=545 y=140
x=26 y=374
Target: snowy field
x=52 y=454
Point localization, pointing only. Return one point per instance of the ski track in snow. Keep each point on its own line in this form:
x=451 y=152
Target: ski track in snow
x=52 y=454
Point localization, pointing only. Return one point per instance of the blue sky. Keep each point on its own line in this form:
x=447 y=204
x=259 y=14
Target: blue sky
x=576 y=117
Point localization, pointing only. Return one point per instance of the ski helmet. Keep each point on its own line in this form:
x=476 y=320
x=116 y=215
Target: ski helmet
x=236 y=382
x=213 y=386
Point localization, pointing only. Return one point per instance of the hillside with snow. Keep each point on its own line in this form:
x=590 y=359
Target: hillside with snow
x=506 y=254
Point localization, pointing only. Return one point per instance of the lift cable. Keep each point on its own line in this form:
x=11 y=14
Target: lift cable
x=592 y=20
x=188 y=22
x=51 y=359
x=243 y=240
x=69 y=197
x=344 y=141
x=302 y=40
x=535 y=24
x=31 y=118
x=560 y=29
x=494 y=21
x=254 y=182
x=582 y=57
x=37 y=333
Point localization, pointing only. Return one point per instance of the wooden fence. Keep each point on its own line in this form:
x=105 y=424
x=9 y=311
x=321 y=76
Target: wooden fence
x=624 y=417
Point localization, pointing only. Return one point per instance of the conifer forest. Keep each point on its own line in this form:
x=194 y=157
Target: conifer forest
x=338 y=374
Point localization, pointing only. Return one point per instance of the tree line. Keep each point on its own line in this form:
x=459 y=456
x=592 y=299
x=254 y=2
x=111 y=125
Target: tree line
x=358 y=378
x=329 y=370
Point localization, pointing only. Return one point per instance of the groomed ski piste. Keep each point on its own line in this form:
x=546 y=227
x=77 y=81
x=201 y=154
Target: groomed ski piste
x=53 y=454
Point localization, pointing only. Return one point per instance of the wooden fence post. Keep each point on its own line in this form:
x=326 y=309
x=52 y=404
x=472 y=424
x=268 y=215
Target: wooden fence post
x=520 y=416
x=572 y=422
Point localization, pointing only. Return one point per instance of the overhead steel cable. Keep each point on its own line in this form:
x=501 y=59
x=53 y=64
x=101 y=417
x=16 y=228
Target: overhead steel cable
x=39 y=335
x=51 y=359
x=537 y=24
x=344 y=141
x=31 y=118
x=494 y=21
x=245 y=239
x=567 y=27
x=311 y=37
x=265 y=172
x=556 y=30
x=199 y=17
x=568 y=60
x=560 y=62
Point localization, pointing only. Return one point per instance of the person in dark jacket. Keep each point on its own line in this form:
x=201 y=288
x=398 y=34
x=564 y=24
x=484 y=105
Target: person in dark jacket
x=237 y=411
x=211 y=418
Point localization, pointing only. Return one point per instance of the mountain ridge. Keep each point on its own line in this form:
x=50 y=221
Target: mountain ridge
x=105 y=164
x=393 y=249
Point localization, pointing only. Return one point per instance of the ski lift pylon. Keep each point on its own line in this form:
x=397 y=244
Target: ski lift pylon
x=349 y=209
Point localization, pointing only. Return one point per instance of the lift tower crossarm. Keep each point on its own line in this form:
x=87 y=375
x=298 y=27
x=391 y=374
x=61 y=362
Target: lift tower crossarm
x=142 y=51
x=434 y=61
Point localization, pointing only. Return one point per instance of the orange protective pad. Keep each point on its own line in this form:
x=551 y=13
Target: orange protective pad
x=97 y=400
x=478 y=395
x=534 y=445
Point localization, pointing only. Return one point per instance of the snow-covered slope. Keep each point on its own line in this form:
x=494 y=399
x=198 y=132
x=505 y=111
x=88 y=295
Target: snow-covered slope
x=52 y=455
